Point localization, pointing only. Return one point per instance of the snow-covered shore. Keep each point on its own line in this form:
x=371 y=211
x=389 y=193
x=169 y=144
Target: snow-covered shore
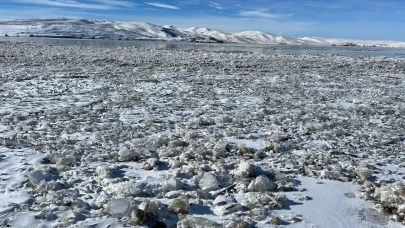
x=115 y=136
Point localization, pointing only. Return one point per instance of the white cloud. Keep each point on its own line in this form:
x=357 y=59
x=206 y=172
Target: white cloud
x=161 y=5
x=188 y=2
x=262 y=14
x=256 y=13
x=95 y=4
x=216 y=5
x=116 y=3
x=32 y=12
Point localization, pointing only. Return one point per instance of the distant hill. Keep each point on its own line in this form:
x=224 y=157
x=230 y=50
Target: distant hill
x=103 y=29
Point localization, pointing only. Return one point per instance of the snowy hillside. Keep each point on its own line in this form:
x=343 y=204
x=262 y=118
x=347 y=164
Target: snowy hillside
x=103 y=29
x=206 y=32
x=377 y=43
x=100 y=29
x=265 y=38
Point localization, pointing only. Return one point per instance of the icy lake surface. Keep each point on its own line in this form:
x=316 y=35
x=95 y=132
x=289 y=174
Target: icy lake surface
x=271 y=49
x=113 y=136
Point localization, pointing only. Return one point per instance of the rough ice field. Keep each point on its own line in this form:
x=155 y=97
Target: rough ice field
x=118 y=137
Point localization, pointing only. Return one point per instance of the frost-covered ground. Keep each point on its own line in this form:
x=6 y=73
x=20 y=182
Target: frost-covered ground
x=118 y=137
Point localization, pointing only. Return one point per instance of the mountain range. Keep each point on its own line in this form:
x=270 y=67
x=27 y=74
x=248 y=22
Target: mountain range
x=104 y=29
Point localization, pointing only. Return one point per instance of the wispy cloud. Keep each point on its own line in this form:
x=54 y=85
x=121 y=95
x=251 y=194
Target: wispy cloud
x=188 y=2
x=262 y=13
x=161 y=5
x=216 y=5
x=95 y=4
x=116 y=3
x=34 y=12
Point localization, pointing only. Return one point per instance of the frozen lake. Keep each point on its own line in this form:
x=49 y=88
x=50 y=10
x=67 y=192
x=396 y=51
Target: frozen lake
x=133 y=137
x=271 y=49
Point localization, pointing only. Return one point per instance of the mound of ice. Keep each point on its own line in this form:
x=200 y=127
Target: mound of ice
x=66 y=161
x=392 y=198
x=40 y=175
x=103 y=172
x=120 y=207
x=125 y=154
x=208 y=182
x=144 y=187
x=173 y=184
x=150 y=164
x=225 y=205
x=245 y=170
x=220 y=149
x=179 y=206
x=147 y=212
x=363 y=172
x=197 y=222
x=262 y=184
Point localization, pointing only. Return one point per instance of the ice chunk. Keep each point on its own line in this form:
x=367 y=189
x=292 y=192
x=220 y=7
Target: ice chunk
x=39 y=175
x=179 y=206
x=262 y=184
x=197 y=222
x=245 y=170
x=208 y=182
x=120 y=207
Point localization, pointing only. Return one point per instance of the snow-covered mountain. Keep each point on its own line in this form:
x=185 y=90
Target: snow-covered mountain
x=206 y=32
x=103 y=29
x=100 y=29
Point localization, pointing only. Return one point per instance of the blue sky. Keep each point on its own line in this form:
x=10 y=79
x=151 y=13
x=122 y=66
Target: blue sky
x=358 y=19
